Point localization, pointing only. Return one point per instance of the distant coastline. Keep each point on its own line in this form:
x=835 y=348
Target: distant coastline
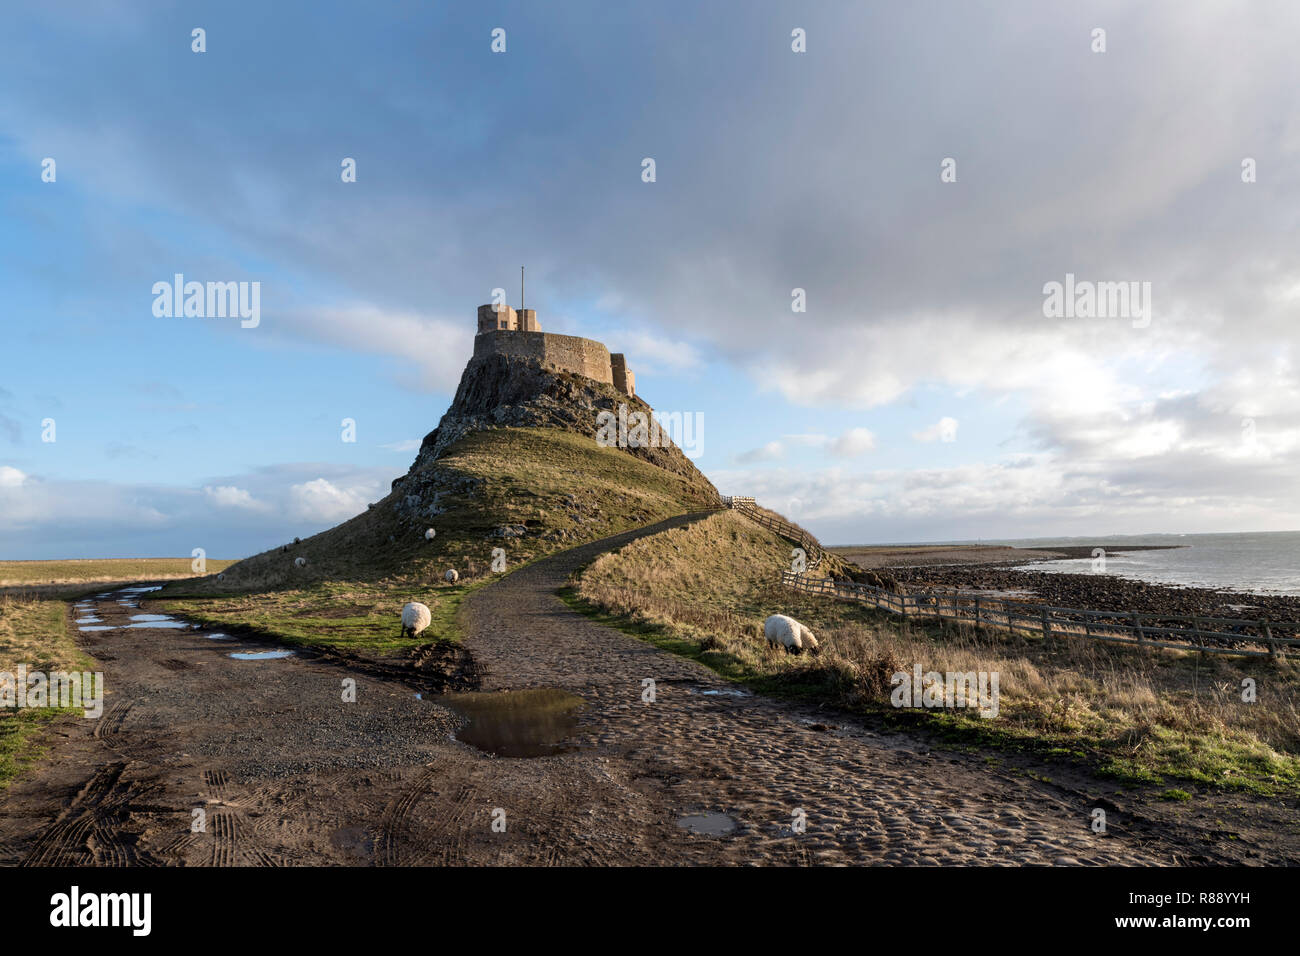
x=1232 y=576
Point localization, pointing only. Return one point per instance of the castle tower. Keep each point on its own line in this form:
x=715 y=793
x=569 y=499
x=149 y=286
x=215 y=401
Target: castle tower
x=528 y=321
x=624 y=378
x=503 y=318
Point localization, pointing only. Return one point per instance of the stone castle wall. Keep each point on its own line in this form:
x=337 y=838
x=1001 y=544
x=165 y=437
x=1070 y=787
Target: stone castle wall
x=566 y=353
x=624 y=379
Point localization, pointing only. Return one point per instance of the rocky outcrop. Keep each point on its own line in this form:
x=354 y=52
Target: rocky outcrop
x=499 y=391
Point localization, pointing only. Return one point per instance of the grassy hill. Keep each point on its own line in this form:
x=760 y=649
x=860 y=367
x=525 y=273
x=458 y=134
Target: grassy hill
x=527 y=491
x=1140 y=716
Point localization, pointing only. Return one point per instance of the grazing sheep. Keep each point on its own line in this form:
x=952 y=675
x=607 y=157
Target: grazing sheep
x=300 y=562
x=430 y=534
x=415 y=618
x=782 y=631
x=451 y=577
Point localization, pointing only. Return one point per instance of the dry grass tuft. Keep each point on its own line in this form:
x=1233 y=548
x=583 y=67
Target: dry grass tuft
x=706 y=590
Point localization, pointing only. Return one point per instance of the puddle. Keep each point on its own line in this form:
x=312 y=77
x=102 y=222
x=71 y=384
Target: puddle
x=419 y=696
x=260 y=655
x=156 y=587
x=517 y=723
x=218 y=637
x=355 y=840
x=150 y=617
x=151 y=625
x=722 y=693
x=96 y=627
x=90 y=620
x=708 y=824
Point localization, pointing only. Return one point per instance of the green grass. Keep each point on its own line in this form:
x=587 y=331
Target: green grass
x=560 y=486
x=21 y=740
x=33 y=632
x=347 y=616
x=1135 y=716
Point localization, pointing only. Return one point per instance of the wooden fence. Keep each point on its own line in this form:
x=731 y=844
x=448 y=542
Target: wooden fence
x=1246 y=638
x=811 y=546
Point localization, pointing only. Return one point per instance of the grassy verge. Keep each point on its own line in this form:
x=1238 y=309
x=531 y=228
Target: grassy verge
x=350 y=616
x=73 y=574
x=32 y=632
x=1137 y=716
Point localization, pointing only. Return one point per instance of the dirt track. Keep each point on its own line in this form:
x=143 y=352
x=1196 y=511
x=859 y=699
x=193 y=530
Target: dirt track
x=287 y=773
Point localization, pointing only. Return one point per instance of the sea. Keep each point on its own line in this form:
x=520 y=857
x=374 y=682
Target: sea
x=1266 y=562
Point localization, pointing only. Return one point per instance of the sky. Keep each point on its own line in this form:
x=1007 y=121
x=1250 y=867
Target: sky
x=922 y=171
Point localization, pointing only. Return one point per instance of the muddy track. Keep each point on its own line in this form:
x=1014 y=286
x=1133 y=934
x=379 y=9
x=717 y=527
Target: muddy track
x=287 y=773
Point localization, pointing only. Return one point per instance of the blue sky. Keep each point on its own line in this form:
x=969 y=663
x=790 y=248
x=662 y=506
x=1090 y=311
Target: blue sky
x=775 y=170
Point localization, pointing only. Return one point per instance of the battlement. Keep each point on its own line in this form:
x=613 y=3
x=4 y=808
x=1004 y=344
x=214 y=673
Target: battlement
x=503 y=330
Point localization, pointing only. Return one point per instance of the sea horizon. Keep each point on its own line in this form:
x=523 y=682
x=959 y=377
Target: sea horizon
x=1250 y=562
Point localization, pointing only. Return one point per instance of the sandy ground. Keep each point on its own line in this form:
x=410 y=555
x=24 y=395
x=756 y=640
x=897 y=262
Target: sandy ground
x=285 y=772
x=921 y=556
x=874 y=557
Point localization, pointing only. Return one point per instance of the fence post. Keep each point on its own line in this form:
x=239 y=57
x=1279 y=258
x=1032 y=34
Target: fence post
x=1137 y=628
x=977 y=613
x=1047 y=626
x=1268 y=636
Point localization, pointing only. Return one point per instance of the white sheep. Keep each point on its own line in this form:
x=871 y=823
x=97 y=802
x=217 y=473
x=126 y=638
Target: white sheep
x=782 y=631
x=415 y=618
x=430 y=534
x=451 y=577
x=300 y=562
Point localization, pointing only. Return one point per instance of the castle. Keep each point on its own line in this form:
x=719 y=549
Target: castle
x=503 y=330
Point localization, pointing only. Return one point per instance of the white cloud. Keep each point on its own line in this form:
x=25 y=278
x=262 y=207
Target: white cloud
x=230 y=516
x=228 y=496
x=852 y=444
x=407 y=444
x=655 y=352
x=945 y=429
x=434 y=349
x=772 y=451
x=322 y=500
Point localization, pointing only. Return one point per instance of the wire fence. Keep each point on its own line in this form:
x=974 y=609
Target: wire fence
x=1210 y=635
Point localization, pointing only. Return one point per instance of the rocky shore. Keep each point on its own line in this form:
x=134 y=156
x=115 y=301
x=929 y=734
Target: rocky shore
x=1103 y=592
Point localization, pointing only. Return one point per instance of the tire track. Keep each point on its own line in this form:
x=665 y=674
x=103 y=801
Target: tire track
x=86 y=833
x=395 y=821
x=110 y=724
